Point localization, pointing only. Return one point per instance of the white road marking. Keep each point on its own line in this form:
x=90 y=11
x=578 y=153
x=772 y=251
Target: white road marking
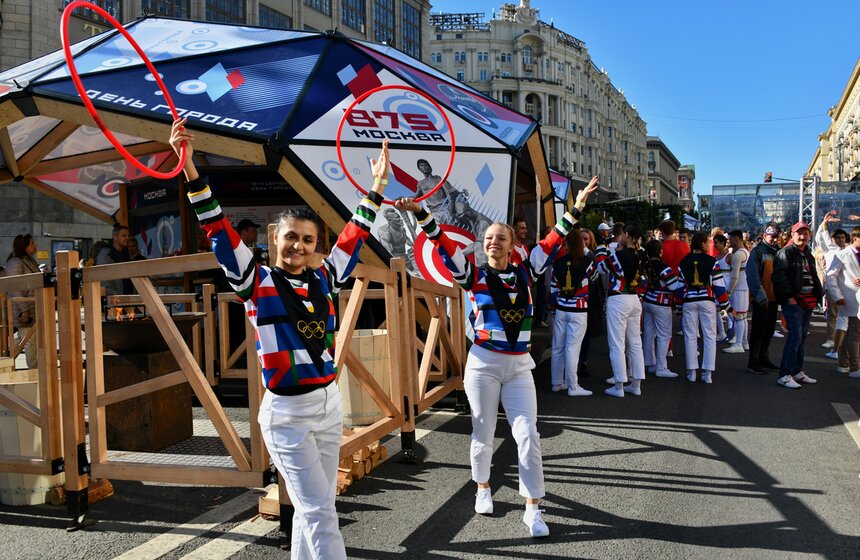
x=849 y=418
x=162 y=544
x=234 y=540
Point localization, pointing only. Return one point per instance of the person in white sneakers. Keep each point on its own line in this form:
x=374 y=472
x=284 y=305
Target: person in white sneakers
x=719 y=244
x=843 y=288
x=571 y=276
x=798 y=291
x=739 y=294
x=657 y=311
x=828 y=245
x=703 y=286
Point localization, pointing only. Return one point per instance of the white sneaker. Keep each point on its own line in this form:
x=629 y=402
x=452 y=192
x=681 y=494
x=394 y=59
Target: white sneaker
x=534 y=521
x=670 y=354
x=610 y=380
x=731 y=340
x=706 y=377
x=484 y=501
x=788 y=382
x=734 y=349
x=805 y=378
x=557 y=388
x=691 y=376
x=667 y=373
x=633 y=390
x=777 y=334
x=841 y=369
x=854 y=374
x=577 y=391
x=833 y=355
x=614 y=392
x=828 y=344
x=746 y=347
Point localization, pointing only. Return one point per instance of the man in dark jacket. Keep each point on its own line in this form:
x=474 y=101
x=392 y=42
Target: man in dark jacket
x=798 y=290
x=762 y=301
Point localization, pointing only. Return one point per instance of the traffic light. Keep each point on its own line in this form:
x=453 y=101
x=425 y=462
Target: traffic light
x=768 y=177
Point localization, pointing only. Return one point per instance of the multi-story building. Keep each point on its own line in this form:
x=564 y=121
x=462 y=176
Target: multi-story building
x=662 y=172
x=588 y=126
x=29 y=30
x=838 y=155
x=686 y=177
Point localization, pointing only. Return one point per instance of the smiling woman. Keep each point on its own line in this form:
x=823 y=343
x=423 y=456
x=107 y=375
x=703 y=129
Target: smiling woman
x=290 y=306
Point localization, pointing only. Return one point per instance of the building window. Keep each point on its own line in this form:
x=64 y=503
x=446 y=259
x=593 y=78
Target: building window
x=274 y=18
x=507 y=99
x=383 y=22
x=483 y=56
x=505 y=58
x=436 y=57
x=527 y=55
x=609 y=131
x=610 y=147
x=323 y=6
x=225 y=11
x=113 y=7
x=625 y=145
x=169 y=8
x=459 y=57
x=411 y=30
x=461 y=76
x=352 y=14
x=483 y=74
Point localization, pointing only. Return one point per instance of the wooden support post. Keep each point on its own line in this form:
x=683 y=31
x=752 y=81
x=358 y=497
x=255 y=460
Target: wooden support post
x=211 y=310
x=72 y=388
x=92 y=294
x=259 y=455
x=49 y=383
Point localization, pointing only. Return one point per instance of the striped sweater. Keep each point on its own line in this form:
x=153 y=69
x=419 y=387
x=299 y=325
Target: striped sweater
x=624 y=270
x=484 y=317
x=569 y=287
x=702 y=278
x=288 y=367
x=667 y=284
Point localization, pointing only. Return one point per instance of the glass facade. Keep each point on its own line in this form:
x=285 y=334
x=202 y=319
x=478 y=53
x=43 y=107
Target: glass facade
x=270 y=17
x=225 y=11
x=323 y=6
x=352 y=14
x=170 y=8
x=113 y=7
x=411 y=30
x=383 y=22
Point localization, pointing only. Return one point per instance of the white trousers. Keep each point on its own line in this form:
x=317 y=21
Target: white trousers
x=493 y=377
x=623 y=316
x=568 y=332
x=657 y=320
x=702 y=313
x=302 y=434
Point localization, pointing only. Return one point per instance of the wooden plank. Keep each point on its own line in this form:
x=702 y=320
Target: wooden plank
x=448 y=348
x=9 y=113
x=192 y=372
x=95 y=158
x=19 y=406
x=544 y=187
x=176 y=474
x=8 y=152
x=209 y=334
x=21 y=283
x=150 y=267
x=24 y=465
x=142 y=388
x=49 y=389
x=432 y=288
x=437 y=394
x=48 y=190
x=259 y=456
x=95 y=370
x=349 y=316
x=135 y=299
x=351 y=444
x=429 y=351
x=45 y=146
x=357 y=369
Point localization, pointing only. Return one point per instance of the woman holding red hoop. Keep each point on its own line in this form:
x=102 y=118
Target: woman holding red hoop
x=290 y=306
x=499 y=365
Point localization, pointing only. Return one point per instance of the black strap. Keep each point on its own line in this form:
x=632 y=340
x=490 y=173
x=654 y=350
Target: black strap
x=512 y=314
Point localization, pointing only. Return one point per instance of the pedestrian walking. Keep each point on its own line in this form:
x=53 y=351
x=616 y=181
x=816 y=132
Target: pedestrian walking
x=843 y=289
x=663 y=285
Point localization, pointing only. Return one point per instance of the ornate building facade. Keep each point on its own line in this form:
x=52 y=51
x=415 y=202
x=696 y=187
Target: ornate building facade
x=838 y=155
x=662 y=172
x=588 y=126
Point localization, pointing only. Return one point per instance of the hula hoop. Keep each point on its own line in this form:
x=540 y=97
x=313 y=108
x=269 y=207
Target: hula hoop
x=82 y=92
x=367 y=94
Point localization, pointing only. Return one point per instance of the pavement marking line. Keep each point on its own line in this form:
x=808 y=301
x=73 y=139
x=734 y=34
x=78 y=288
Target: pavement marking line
x=234 y=540
x=162 y=544
x=849 y=418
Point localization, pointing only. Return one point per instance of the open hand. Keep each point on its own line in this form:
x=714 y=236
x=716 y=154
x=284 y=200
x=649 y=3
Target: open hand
x=582 y=196
x=381 y=167
x=408 y=204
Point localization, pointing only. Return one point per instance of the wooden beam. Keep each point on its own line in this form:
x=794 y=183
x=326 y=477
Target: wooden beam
x=94 y=158
x=150 y=267
x=349 y=316
x=353 y=443
x=134 y=125
x=25 y=465
x=95 y=370
x=8 y=152
x=48 y=190
x=22 y=282
x=20 y=407
x=369 y=384
x=49 y=381
x=142 y=388
x=9 y=113
x=535 y=150
x=45 y=146
x=176 y=474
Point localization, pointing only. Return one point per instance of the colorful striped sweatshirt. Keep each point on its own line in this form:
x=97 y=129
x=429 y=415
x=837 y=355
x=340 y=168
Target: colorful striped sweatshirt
x=624 y=269
x=484 y=317
x=569 y=287
x=288 y=366
x=667 y=284
x=702 y=278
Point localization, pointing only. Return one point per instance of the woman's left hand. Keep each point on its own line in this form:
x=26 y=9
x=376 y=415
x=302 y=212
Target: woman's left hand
x=583 y=195
x=380 y=168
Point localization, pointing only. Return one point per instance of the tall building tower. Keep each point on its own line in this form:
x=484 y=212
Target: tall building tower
x=588 y=126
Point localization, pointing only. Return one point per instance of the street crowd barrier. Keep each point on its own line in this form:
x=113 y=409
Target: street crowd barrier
x=426 y=360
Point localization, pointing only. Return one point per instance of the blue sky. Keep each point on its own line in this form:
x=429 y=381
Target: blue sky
x=736 y=88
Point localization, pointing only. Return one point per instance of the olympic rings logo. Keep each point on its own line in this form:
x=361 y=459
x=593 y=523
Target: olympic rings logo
x=311 y=329
x=512 y=315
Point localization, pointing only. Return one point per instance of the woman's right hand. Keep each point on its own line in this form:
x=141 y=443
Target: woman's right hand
x=178 y=135
x=408 y=204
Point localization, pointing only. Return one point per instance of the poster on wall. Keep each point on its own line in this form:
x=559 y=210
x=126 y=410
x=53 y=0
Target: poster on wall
x=263 y=215
x=158 y=234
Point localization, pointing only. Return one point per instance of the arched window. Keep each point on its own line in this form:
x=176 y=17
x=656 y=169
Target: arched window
x=527 y=54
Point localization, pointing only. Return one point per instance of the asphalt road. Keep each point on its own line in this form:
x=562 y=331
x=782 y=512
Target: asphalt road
x=742 y=468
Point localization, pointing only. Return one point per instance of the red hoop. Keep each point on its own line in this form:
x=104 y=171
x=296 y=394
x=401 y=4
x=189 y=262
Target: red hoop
x=367 y=94
x=82 y=92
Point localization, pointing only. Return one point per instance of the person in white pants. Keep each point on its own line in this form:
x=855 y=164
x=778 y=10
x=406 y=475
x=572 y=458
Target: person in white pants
x=571 y=276
x=625 y=269
x=499 y=366
x=703 y=283
x=739 y=294
x=657 y=311
x=720 y=243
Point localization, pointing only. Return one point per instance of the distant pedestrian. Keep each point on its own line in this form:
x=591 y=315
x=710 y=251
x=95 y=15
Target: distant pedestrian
x=843 y=288
x=763 y=302
x=21 y=261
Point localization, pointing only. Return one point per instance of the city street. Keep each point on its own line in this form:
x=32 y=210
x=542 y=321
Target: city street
x=742 y=468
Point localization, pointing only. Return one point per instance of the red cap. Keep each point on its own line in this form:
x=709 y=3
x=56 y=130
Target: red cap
x=799 y=226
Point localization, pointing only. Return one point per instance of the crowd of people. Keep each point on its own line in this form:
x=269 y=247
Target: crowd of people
x=726 y=289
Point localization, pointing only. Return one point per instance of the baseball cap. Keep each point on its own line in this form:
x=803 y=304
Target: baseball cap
x=799 y=226
x=246 y=223
x=603 y=227
x=772 y=230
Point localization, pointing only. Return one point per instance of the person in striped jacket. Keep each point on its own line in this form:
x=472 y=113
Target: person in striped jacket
x=663 y=287
x=571 y=276
x=499 y=366
x=290 y=306
x=703 y=285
